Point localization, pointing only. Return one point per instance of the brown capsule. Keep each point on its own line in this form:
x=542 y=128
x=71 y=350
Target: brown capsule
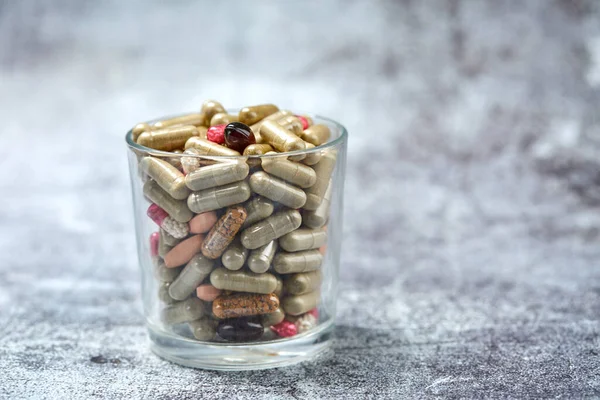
x=167 y=139
x=292 y=124
x=316 y=134
x=253 y=114
x=167 y=176
x=223 y=232
x=139 y=129
x=189 y=119
x=323 y=169
x=292 y=172
x=280 y=138
x=257 y=149
x=208 y=148
x=244 y=305
x=209 y=109
x=223 y=119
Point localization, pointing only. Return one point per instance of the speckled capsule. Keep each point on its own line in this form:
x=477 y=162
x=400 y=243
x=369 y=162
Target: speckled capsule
x=167 y=176
x=258 y=209
x=163 y=293
x=204 y=328
x=277 y=190
x=316 y=134
x=313 y=157
x=260 y=259
x=318 y=217
x=257 y=149
x=292 y=124
x=208 y=148
x=303 y=239
x=323 y=169
x=295 y=173
x=302 y=261
x=183 y=311
x=162 y=273
x=219 y=197
x=273 y=318
x=302 y=283
x=280 y=138
x=270 y=228
x=244 y=305
x=195 y=119
x=299 y=304
x=191 y=277
x=216 y=175
x=223 y=232
x=177 y=209
x=223 y=119
x=253 y=114
x=243 y=281
x=209 y=109
x=137 y=130
x=242 y=329
x=167 y=139
x=235 y=255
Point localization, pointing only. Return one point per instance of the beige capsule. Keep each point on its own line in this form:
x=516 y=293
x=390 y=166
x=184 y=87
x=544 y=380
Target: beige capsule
x=177 y=209
x=313 y=157
x=204 y=328
x=195 y=271
x=190 y=162
x=280 y=138
x=163 y=247
x=209 y=109
x=167 y=139
x=223 y=118
x=270 y=228
x=292 y=124
x=162 y=273
x=260 y=259
x=318 y=218
x=302 y=261
x=323 y=169
x=273 y=318
x=243 y=281
x=169 y=239
x=195 y=119
x=316 y=134
x=258 y=209
x=308 y=119
x=300 y=304
x=303 y=239
x=208 y=148
x=273 y=117
x=302 y=283
x=163 y=293
x=235 y=256
x=277 y=190
x=253 y=114
x=137 y=130
x=279 y=288
x=219 y=197
x=292 y=172
x=167 y=176
x=217 y=175
x=257 y=149
x=183 y=311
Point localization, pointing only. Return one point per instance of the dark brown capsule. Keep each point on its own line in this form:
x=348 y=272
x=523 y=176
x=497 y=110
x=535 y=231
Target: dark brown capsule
x=242 y=329
x=238 y=136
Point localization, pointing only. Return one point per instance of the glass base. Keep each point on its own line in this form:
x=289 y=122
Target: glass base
x=240 y=357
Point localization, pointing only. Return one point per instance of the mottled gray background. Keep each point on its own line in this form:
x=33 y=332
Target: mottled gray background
x=472 y=230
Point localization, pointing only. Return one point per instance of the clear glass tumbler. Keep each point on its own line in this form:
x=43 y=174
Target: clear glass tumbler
x=269 y=299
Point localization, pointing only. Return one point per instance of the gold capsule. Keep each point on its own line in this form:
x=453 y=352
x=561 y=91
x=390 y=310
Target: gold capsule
x=195 y=271
x=316 y=134
x=177 y=209
x=244 y=305
x=280 y=138
x=183 y=311
x=292 y=124
x=258 y=209
x=303 y=239
x=270 y=228
x=317 y=218
x=208 y=148
x=277 y=190
x=223 y=232
x=273 y=117
x=216 y=175
x=204 y=328
x=223 y=119
x=257 y=149
x=323 y=169
x=300 y=304
x=218 y=197
x=139 y=129
x=292 y=172
x=167 y=139
x=253 y=114
x=235 y=256
x=273 y=318
x=302 y=261
x=189 y=119
x=260 y=259
x=209 y=109
x=167 y=176
x=303 y=282
x=313 y=157
x=243 y=281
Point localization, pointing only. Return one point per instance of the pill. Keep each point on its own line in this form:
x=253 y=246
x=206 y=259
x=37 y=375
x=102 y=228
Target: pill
x=163 y=247
x=163 y=293
x=168 y=139
x=204 y=328
x=258 y=209
x=209 y=109
x=277 y=190
x=168 y=239
x=302 y=283
x=162 y=219
x=190 y=162
x=279 y=288
x=292 y=124
x=302 y=261
x=243 y=281
x=253 y=114
x=305 y=120
x=223 y=118
x=162 y=273
x=280 y=138
x=223 y=232
x=303 y=239
x=273 y=117
x=312 y=157
x=216 y=134
x=139 y=129
x=244 y=305
x=323 y=169
x=294 y=318
x=318 y=217
x=219 y=197
x=270 y=228
x=240 y=329
x=154 y=239
x=295 y=173
x=202 y=223
x=177 y=209
x=306 y=322
x=189 y=119
x=207 y=148
x=208 y=292
x=299 y=304
x=238 y=136
x=235 y=255
x=257 y=149
x=167 y=176
x=217 y=175
x=183 y=252
x=183 y=311
x=273 y=318
x=196 y=270
x=260 y=259
x=285 y=329
x=316 y=134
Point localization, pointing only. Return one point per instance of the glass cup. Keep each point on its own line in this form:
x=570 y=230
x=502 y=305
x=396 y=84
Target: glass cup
x=267 y=298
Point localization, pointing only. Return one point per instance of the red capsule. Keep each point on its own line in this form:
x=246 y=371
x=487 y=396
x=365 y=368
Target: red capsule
x=238 y=136
x=285 y=329
x=304 y=121
x=154 y=244
x=216 y=134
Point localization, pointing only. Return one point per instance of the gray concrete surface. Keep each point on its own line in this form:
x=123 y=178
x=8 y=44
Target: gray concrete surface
x=471 y=243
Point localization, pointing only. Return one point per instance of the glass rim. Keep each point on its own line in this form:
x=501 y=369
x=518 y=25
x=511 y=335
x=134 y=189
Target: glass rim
x=330 y=144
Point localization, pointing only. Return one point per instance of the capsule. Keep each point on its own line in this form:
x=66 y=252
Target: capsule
x=177 y=209
x=253 y=114
x=203 y=222
x=208 y=292
x=167 y=139
x=164 y=247
x=240 y=329
x=183 y=311
x=280 y=138
x=243 y=281
x=209 y=109
x=302 y=283
x=316 y=134
x=162 y=273
x=277 y=190
x=273 y=117
x=207 y=148
x=223 y=118
x=167 y=177
x=191 y=277
x=223 y=232
x=244 y=305
x=324 y=169
x=279 y=288
x=257 y=149
x=260 y=259
x=313 y=157
x=163 y=293
x=302 y=261
x=184 y=251
x=303 y=239
x=270 y=228
x=258 y=209
x=292 y=124
x=299 y=304
x=219 y=197
x=318 y=218
x=137 y=130
x=292 y=172
x=216 y=175
x=204 y=328
x=189 y=119
x=273 y=318
x=190 y=163
x=235 y=256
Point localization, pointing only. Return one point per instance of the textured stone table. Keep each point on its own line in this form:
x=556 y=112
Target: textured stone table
x=472 y=234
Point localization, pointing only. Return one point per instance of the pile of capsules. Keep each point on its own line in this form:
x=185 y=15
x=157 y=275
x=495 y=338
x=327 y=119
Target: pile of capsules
x=241 y=240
